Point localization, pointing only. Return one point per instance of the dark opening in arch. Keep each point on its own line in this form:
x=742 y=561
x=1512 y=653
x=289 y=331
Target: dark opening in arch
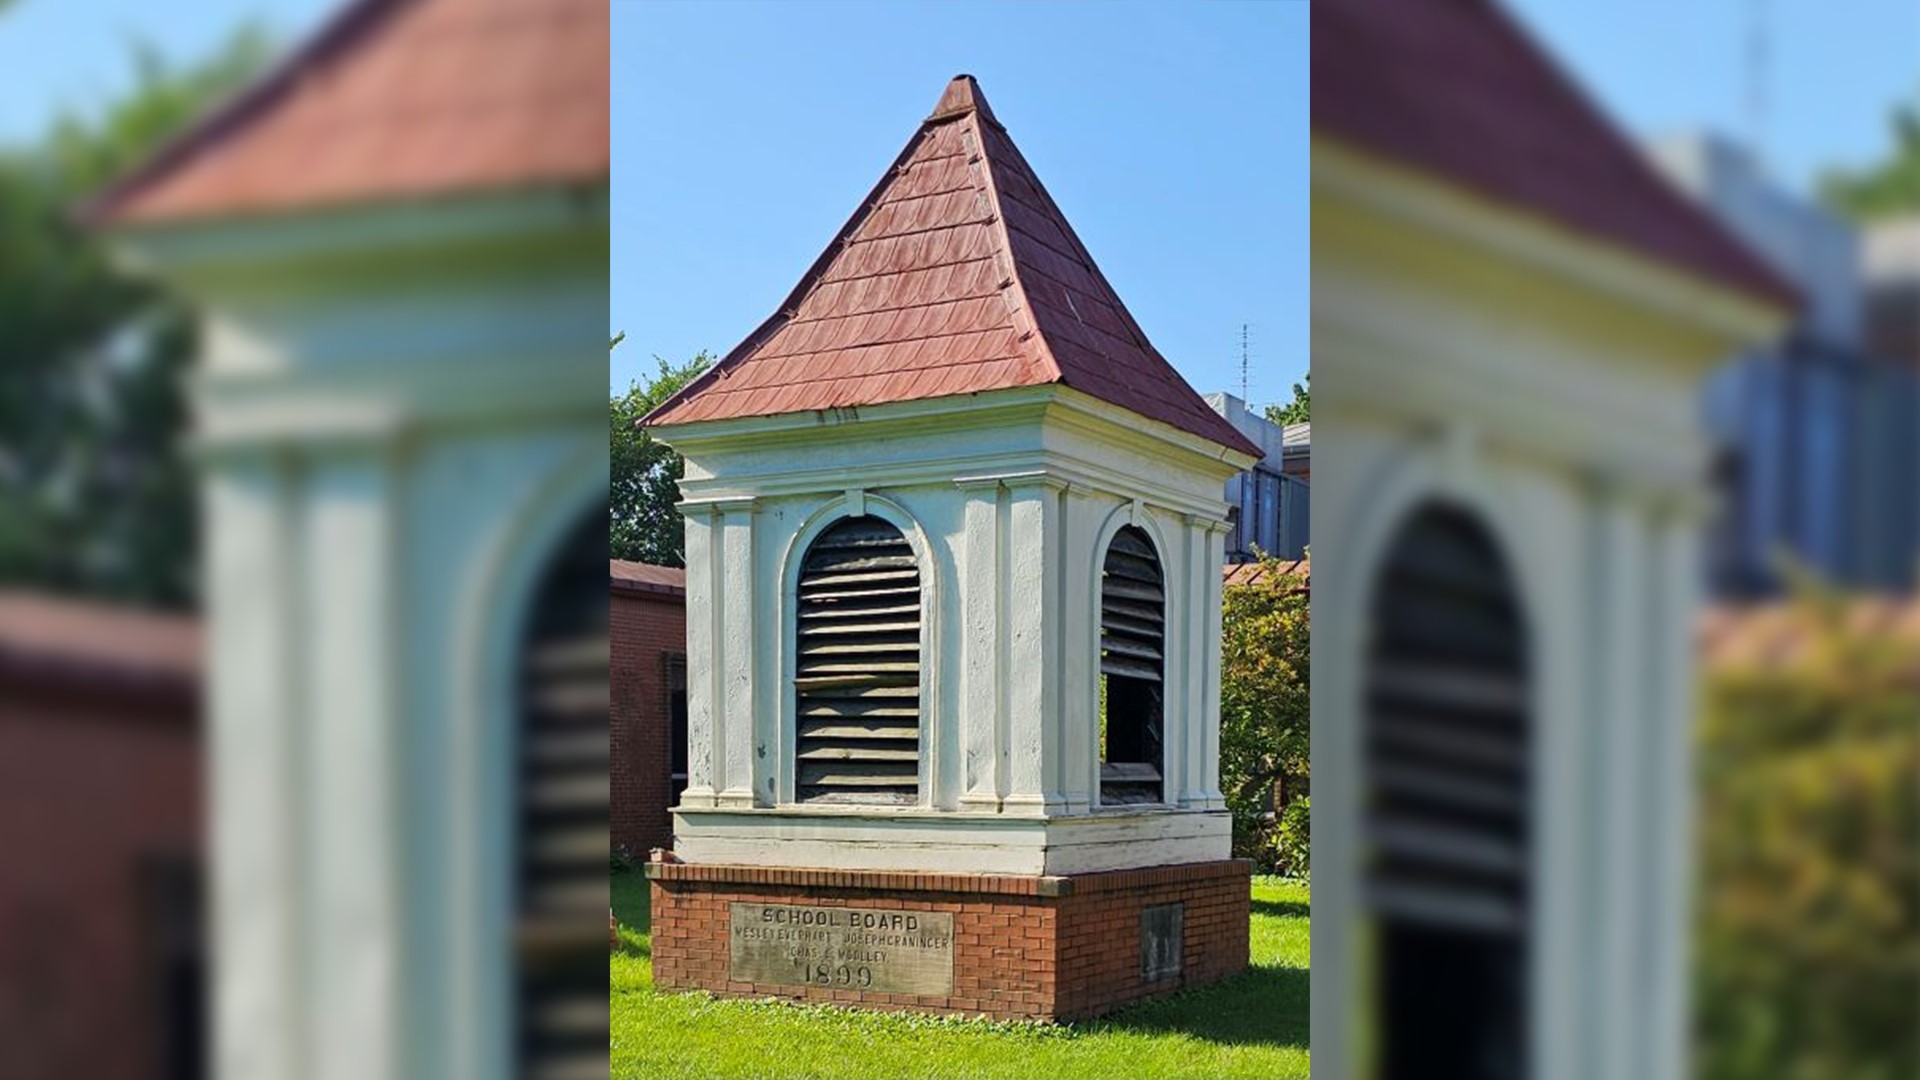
x=857 y=673
x=1133 y=666
x=561 y=822
x=1447 y=773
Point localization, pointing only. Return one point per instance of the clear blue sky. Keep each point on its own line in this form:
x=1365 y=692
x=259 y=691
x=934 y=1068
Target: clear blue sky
x=57 y=54
x=1833 y=69
x=1173 y=137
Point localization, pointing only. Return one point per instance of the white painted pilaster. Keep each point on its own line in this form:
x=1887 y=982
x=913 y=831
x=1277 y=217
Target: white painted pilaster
x=1079 y=645
x=1560 y=664
x=1619 y=602
x=733 y=754
x=705 y=735
x=1186 y=751
x=1673 y=585
x=259 y=880
x=1209 y=629
x=981 y=659
x=352 y=741
x=1034 y=502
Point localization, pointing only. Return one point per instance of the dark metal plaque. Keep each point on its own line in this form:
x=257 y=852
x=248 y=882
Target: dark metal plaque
x=842 y=948
x=1162 y=940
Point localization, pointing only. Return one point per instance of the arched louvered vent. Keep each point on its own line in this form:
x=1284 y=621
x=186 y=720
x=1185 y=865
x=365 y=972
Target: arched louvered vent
x=857 y=680
x=1446 y=852
x=562 y=893
x=1133 y=620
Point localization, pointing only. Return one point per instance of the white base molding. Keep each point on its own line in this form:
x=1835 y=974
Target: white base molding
x=886 y=838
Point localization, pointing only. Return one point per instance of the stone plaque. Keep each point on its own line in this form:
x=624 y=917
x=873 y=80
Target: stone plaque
x=843 y=948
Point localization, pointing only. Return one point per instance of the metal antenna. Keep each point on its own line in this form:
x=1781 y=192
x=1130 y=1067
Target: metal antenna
x=1759 y=58
x=1244 y=376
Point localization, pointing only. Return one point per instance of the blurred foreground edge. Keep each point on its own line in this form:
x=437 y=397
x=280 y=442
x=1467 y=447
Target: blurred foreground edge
x=398 y=242
x=1512 y=315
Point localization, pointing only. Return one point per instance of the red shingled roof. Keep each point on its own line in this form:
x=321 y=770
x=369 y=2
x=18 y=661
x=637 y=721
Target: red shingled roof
x=957 y=275
x=625 y=575
x=1455 y=87
x=395 y=99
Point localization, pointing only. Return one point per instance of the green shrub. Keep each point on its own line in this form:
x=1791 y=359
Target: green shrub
x=1266 y=651
x=1293 y=842
x=1808 y=962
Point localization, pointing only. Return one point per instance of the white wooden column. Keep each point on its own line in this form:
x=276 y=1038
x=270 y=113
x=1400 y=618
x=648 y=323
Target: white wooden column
x=982 y=667
x=1186 y=752
x=259 y=876
x=1668 y=763
x=705 y=736
x=1215 y=540
x=1033 y=621
x=1560 y=660
x=1619 y=603
x=1078 y=648
x=353 y=742
x=737 y=638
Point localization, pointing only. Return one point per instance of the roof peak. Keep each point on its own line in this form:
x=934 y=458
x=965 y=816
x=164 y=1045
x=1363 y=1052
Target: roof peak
x=962 y=96
x=956 y=275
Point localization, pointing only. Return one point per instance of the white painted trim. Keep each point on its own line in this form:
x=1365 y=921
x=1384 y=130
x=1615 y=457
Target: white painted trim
x=1013 y=407
x=880 y=839
x=1055 y=404
x=1456 y=216
x=387 y=231
x=941 y=468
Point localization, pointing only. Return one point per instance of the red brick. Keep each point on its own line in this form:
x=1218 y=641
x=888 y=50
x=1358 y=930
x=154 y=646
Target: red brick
x=649 y=630
x=1016 y=953
x=97 y=778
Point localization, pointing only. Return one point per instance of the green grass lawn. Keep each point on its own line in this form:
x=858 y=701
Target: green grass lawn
x=1253 y=1025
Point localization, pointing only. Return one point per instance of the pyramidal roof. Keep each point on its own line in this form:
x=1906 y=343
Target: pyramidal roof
x=393 y=99
x=957 y=275
x=1459 y=89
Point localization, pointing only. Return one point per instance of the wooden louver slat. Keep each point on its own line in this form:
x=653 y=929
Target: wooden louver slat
x=857 y=672
x=1447 y=734
x=1133 y=663
x=1132 y=609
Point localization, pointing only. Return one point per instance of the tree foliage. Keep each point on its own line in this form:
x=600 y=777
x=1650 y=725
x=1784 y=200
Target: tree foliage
x=1297 y=411
x=1266 y=651
x=96 y=497
x=1809 y=945
x=1888 y=188
x=646 y=473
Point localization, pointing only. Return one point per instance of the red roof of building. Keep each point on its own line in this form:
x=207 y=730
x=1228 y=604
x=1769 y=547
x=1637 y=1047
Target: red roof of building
x=957 y=275
x=395 y=99
x=1777 y=634
x=627 y=576
x=1456 y=88
x=46 y=638
x=1253 y=573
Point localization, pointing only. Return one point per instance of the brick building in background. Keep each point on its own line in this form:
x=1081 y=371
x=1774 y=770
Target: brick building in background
x=100 y=910
x=648 y=718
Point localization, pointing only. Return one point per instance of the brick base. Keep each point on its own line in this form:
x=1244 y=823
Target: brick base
x=1041 y=948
